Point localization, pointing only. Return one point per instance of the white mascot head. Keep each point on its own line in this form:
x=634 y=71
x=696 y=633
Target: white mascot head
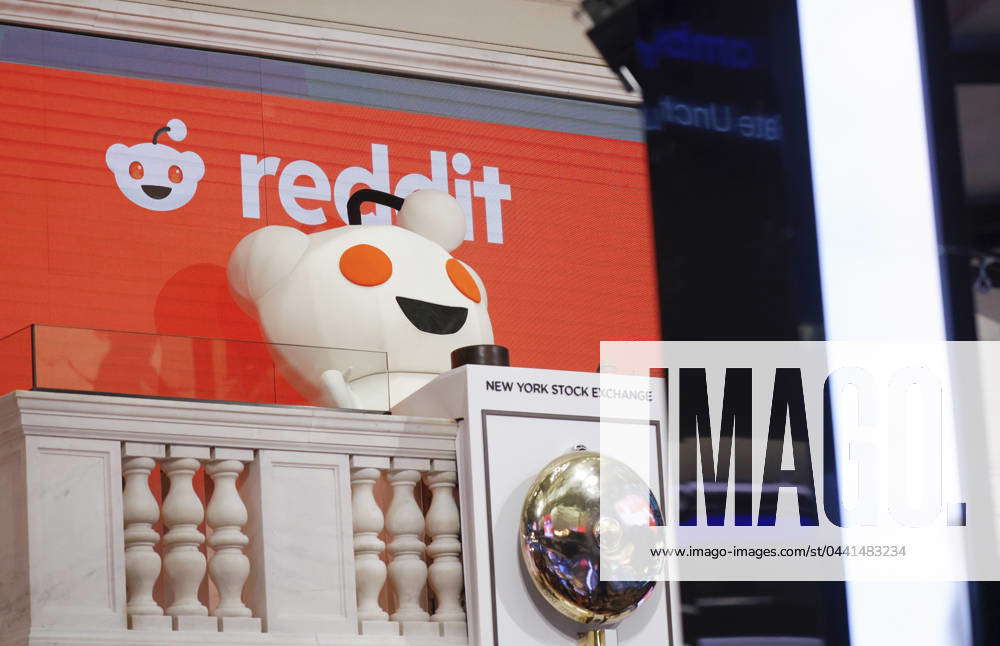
x=393 y=289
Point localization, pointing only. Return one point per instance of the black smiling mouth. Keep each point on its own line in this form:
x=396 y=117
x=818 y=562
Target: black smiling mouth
x=435 y=319
x=156 y=192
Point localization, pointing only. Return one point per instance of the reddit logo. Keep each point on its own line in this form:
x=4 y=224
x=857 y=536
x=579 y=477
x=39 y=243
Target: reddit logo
x=155 y=176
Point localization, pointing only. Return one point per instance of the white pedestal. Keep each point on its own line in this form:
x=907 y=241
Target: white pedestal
x=514 y=422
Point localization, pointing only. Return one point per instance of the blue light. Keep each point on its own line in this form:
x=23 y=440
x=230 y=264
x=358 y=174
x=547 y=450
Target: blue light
x=680 y=43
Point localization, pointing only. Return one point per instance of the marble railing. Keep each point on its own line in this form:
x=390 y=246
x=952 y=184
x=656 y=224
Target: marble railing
x=148 y=521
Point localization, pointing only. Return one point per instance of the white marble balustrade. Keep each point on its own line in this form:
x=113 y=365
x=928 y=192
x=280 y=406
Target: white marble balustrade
x=368 y=523
x=184 y=565
x=445 y=549
x=289 y=548
x=420 y=534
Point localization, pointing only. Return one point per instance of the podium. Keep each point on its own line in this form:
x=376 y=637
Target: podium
x=512 y=422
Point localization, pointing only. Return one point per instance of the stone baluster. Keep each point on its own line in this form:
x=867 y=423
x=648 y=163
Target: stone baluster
x=141 y=511
x=405 y=521
x=370 y=571
x=229 y=567
x=445 y=574
x=182 y=513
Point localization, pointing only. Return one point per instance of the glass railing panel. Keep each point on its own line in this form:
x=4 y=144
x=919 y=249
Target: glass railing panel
x=156 y=365
x=15 y=361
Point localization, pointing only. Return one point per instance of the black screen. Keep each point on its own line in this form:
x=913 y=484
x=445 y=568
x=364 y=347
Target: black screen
x=729 y=163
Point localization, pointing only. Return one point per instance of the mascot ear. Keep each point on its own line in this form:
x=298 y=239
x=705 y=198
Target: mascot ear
x=261 y=260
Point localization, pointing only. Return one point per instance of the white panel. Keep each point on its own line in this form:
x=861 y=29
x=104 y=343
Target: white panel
x=14 y=600
x=524 y=445
x=307 y=543
x=523 y=617
x=877 y=234
x=75 y=534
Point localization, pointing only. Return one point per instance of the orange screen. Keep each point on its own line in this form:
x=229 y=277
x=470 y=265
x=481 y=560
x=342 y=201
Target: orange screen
x=570 y=265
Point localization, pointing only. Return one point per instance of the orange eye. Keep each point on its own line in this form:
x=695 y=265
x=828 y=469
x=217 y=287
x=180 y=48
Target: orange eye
x=175 y=174
x=462 y=279
x=135 y=170
x=365 y=265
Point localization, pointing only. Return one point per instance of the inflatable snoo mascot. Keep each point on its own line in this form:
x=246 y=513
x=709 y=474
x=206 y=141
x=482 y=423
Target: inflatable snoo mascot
x=394 y=289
